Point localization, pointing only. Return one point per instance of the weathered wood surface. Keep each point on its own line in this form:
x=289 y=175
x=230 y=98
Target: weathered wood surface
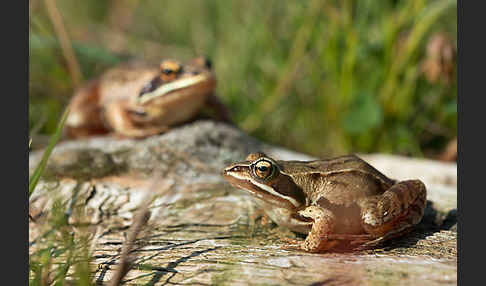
x=204 y=232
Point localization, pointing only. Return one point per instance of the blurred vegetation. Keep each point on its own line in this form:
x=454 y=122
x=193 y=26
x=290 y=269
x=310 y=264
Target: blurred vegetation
x=61 y=253
x=322 y=77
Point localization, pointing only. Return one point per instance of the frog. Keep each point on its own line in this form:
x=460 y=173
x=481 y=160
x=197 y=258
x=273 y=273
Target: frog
x=138 y=99
x=334 y=202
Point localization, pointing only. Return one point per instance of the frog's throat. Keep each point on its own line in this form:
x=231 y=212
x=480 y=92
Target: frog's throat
x=273 y=192
x=170 y=87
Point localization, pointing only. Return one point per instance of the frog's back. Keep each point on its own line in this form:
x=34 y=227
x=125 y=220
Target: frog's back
x=341 y=180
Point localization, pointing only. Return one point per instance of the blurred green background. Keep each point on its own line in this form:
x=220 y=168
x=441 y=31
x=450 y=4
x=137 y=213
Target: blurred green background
x=321 y=77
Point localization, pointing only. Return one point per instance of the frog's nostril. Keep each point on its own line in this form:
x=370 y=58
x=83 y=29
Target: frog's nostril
x=232 y=170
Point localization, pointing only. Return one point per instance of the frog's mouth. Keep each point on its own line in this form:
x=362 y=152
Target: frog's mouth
x=261 y=191
x=170 y=87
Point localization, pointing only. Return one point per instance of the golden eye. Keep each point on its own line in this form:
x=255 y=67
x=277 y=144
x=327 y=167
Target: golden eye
x=169 y=70
x=263 y=169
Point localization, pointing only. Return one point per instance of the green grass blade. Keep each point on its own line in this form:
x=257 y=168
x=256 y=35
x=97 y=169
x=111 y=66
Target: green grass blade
x=40 y=168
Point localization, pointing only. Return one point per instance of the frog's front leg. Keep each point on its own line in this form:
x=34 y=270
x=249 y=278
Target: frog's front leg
x=323 y=224
x=118 y=118
x=394 y=211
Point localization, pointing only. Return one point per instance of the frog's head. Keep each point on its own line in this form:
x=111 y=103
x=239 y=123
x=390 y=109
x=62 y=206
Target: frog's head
x=262 y=177
x=177 y=83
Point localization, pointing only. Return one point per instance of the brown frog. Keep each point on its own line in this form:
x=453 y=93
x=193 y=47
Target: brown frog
x=333 y=201
x=139 y=100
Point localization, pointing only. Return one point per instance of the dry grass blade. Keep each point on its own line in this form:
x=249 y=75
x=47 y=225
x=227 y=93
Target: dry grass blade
x=140 y=220
x=67 y=49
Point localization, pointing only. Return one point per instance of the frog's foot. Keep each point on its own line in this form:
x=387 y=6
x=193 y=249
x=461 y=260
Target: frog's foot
x=291 y=241
x=397 y=209
x=324 y=222
x=353 y=239
x=141 y=133
x=260 y=213
x=392 y=234
x=291 y=244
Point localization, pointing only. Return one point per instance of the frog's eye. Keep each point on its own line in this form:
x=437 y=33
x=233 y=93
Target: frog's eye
x=263 y=169
x=150 y=86
x=169 y=69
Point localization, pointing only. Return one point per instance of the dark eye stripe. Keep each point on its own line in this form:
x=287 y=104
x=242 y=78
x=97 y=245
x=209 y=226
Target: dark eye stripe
x=150 y=86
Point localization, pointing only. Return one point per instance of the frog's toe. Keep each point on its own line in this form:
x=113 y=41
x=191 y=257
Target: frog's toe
x=291 y=240
x=290 y=247
x=291 y=244
x=319 y=247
